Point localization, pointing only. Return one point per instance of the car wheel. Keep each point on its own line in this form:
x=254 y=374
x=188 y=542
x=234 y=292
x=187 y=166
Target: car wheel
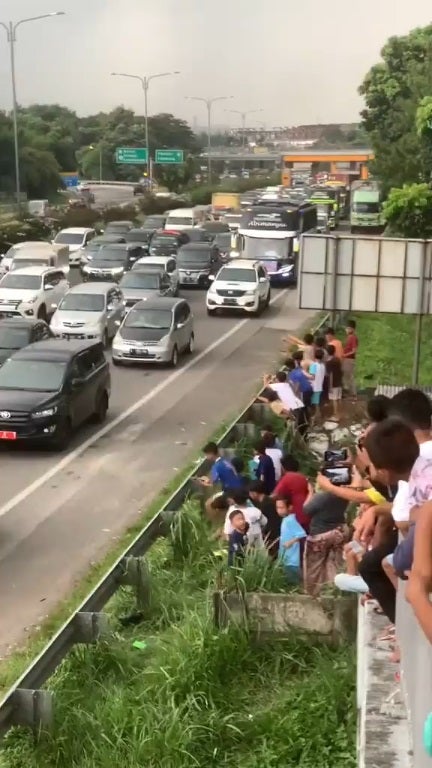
x=42 y=313
x=174 y=358
x=62 y=436
x=258 y=310
x=101 y=409
x=268 y=299
x=210 y=312
x=191 y=346
x=116 y=362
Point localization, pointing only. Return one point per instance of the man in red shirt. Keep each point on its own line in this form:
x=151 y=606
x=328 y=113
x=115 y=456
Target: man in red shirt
x=349 y=358
x=295 y=485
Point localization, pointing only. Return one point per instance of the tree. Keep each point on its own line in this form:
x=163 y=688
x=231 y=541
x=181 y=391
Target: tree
x=393 y=91
x=408 y=211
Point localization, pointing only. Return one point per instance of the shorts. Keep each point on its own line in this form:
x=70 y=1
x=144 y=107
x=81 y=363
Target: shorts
x=404 y=554
x=316 y=398
x=335 y=393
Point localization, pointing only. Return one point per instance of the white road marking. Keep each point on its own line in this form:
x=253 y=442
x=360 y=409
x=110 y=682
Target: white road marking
x=63 y=463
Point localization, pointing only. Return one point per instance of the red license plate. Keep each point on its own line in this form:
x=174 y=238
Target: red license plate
x=8 y=435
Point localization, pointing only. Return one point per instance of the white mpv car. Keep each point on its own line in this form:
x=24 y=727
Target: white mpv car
x=243 y=285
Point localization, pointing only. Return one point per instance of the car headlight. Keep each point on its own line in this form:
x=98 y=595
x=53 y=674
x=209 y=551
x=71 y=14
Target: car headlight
x=250 y=293
x=117 y=270
x=30 y=301
x=85 y=267
x=44 y=413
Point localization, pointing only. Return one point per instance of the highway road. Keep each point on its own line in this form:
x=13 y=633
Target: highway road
x=106 y=196
x=58 y=513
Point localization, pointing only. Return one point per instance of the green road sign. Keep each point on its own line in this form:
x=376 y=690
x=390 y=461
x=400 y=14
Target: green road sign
x=132 y=155
x=169 y=156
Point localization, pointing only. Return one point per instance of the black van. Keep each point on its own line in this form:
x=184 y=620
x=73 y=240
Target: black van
x=50 y=388
x=196 y=262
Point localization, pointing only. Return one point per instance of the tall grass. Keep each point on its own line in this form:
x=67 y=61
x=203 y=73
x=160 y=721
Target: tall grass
x=192 y=696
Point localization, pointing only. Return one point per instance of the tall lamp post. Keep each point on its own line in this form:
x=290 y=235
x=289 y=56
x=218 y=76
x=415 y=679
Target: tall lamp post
x=209 y=103
x=145 y=82
x=11 y=28
x=243 y=116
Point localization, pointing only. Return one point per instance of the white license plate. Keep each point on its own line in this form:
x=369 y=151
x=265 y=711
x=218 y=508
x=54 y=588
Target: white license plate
x=7 y=307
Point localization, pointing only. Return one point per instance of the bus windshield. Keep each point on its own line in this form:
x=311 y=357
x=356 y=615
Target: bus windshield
x=264 y=248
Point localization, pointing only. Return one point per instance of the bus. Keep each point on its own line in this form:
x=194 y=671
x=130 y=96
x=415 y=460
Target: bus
x=365 y=208
x=327 y=208
x=271 y=233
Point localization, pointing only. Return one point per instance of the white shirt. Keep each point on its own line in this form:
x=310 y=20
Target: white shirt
x=319 y=370
x=253 y=516
x=286 y=395
x=276 y=455
x=402 y=503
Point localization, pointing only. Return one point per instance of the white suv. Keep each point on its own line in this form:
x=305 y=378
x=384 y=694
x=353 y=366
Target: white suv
x=242 y=284
x=32 y=292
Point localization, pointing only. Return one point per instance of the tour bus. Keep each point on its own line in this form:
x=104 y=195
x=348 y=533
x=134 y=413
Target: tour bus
x=271 y=233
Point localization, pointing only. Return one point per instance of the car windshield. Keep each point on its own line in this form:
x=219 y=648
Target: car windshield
x=366 y=207
x=14 y=338
x=137 y=237
x=164 y=240
x=156 y=319
x=193 y=257
x=154 y=222
x=184 y=221
x=223 y=240
x=237 y=275
x=36 y=375
x=141 y=280
x=83 y=302
x=26 y=282
x=21 y=263
x=110 y=254
x=69 y=238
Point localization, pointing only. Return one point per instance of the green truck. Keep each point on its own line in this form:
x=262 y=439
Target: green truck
x=366 y=209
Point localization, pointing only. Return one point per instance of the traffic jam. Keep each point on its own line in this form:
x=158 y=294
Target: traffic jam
x=70 y=307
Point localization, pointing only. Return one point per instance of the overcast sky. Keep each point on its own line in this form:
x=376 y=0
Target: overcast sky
x=301 y=61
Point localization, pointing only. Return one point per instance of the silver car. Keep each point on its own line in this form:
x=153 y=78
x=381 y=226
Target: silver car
x=89 y=311
x=140 y=285
x=158 y=330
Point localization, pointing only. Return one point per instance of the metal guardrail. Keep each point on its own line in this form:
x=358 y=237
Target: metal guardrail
x=25 y=703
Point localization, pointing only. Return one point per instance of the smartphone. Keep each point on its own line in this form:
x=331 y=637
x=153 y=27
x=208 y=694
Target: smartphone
x=335 y=455
x=338 y=475
x=356 y=547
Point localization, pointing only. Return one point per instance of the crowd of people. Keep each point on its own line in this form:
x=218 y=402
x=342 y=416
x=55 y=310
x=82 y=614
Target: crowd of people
x=365 y=535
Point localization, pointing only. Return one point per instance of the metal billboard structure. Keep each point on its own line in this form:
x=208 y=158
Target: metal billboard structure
x=350 y=273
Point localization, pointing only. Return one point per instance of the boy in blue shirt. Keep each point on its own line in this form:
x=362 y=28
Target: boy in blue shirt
x=222 y=472
x=289 y=543
x=299 y=379
x=238 y=538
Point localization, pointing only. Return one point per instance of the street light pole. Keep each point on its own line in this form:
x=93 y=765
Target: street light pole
x=243 y=116
x=11 y=28
x=209 y=103
x=145 y=82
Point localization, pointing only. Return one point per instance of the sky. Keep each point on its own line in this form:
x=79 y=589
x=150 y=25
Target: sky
x=300 y=61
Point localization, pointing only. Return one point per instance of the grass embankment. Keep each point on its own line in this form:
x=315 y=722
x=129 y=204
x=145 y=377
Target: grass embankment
x=386 y=351
x=191 y=695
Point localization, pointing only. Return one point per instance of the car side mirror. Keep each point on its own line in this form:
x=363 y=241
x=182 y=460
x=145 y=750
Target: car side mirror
x=49 y=288
x=179 y=325
x=211 y=278
x=263 y=279
x=110 y=307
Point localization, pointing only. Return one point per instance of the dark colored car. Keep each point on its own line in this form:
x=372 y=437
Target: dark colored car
x=215 y=227
x=19 y=332
x=198 y=235
x=166 y=242
x=112 y=261
x=154 y=223
x=48 y=389
x=223 y=241
x=118 y=227
x=110 y=239
x=196 y=262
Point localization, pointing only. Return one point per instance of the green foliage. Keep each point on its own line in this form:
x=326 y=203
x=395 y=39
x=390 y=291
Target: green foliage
x=194 y=695
x=408 y=211
x=393 y=91
x=14 y=230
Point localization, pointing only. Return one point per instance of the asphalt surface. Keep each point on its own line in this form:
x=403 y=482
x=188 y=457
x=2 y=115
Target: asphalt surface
x=58 y=513
x=111 y=195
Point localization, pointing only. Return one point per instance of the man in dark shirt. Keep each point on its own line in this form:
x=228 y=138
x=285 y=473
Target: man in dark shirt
x=326 y=513
x=265 y=470
x=267 y=506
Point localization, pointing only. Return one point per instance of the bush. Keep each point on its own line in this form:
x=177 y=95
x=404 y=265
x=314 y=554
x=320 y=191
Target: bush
x=119 y=213
x=78 y=217
x=19 y=230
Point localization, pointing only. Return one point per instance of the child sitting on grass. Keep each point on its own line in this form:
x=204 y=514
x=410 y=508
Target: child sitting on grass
x=289 y=543
x=238 y=538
